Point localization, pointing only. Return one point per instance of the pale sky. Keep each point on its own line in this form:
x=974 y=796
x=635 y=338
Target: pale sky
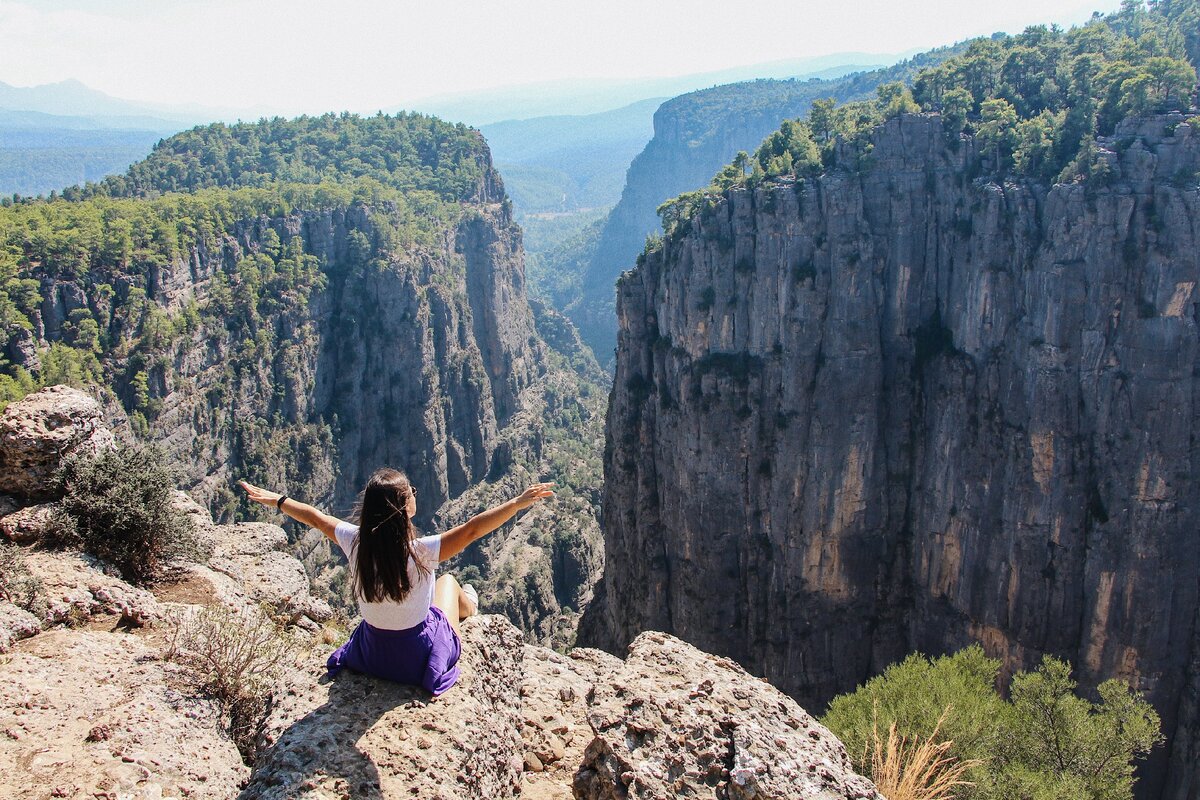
x=292 y=56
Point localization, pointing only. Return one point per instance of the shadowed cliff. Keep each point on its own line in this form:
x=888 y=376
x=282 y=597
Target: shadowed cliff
x=905 y=408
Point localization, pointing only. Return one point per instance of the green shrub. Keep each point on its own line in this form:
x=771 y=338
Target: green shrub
x=118 y=506
x=1046 y=743
x=17 y=584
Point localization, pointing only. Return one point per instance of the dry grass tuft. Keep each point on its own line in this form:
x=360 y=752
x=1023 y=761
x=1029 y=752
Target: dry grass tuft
x=916 y=770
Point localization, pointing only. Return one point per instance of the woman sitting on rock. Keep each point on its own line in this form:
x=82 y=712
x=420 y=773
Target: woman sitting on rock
x=409 y=631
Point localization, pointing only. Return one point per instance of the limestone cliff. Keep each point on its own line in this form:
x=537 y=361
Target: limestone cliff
x=695 y=135
x=908 y=407
x=303 y=343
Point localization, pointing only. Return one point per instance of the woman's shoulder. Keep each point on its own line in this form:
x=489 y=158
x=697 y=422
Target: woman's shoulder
x=345 y=533
x=430 y=545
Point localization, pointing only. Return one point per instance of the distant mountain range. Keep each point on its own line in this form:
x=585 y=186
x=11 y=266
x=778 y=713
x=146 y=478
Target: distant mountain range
x=73 y=98
x=586 y=97
x=561 y=146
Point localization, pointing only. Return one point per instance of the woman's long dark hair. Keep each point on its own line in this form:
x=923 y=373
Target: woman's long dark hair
x=385 y=535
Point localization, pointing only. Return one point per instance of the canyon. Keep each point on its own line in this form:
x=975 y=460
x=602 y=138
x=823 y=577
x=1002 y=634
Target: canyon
x=909 y=404
x=302 y=344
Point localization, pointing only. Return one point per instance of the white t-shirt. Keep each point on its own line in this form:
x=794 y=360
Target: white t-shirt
x=411 y=611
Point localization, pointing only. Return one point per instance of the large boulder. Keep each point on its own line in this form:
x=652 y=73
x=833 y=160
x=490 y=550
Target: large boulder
x=36 y=433
x=255 y=555
x=675 y=721
x=16 y=623
x=360 y=737
x=27 y=525
x=76 y=588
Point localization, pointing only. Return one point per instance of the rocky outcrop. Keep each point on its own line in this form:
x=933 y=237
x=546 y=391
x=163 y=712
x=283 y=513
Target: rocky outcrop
x=103 y=709
x=36 y=433
x=906 y=408
x=555 y=692
x=675 y=722
x=88 y=714
x=360 y=737
x=28 y=524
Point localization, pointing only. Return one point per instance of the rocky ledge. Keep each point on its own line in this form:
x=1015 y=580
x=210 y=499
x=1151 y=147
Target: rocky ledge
x=95 y=703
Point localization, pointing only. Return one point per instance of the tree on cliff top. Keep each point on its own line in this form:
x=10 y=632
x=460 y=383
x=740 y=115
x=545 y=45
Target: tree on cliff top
x=1045 y=743
x=1037 y=100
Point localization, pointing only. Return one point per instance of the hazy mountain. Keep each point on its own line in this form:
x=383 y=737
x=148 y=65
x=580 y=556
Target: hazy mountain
x=564 y=163
x=75 y=98
x=585 y=97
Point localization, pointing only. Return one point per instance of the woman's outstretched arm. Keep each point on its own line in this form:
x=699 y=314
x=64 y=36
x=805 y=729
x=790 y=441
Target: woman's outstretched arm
x=301 y=512
x=455 y=540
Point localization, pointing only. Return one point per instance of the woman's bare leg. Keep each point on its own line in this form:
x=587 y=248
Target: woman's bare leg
x=468 y=602
x=446 y=596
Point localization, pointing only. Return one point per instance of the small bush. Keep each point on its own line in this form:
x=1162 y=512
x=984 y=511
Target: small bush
x=17 y=584
x=236 y=658
x=118 y=506
x=1046 y=742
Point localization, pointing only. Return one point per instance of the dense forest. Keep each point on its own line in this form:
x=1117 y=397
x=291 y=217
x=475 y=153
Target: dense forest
x=115 y=238
x=1035 y=102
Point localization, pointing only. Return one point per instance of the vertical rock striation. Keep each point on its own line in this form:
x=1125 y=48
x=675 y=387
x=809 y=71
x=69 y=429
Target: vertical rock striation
x=906 y=408
x=416 y=362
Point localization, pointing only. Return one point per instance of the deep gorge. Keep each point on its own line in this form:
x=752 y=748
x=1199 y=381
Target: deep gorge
x=911 y=406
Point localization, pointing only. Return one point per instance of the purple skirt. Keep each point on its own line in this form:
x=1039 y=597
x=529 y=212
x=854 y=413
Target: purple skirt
x=424 y=655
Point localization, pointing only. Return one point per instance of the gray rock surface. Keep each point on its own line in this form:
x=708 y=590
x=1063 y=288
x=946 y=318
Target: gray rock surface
x=37 y=432
x=675 y=722
x=254 y=555
x=27 y=525
x=359 y=737
x=88 y=714
x=15 y=624
x=907 y=409
x=555 y=732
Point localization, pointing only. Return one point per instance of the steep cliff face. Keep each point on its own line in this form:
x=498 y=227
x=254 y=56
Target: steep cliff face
x=908 y=408
x=415 y=361
x=695 y=135
x=303 y=335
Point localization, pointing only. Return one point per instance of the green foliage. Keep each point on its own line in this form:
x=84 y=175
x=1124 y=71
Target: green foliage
x=1046 y=743
x=895 y=99
x=1080 y=745
x=792 y=150
x=1060 y=89
x=17 y=584
x=408 y=152
x=558 y=251
x=119 y=506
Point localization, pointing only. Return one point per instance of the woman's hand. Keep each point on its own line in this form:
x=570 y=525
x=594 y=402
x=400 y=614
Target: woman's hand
x=264 y=496
x=539 y=491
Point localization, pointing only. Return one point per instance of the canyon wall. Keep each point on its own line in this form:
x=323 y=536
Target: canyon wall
x=695 y=135
x=302 y=349
x=415 y=360
x=908 y=406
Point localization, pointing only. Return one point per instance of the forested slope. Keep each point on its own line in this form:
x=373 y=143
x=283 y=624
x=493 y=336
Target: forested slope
x=297 y=302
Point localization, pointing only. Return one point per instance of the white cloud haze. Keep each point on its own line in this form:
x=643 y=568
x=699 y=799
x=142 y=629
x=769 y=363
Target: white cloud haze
x=293 y=56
